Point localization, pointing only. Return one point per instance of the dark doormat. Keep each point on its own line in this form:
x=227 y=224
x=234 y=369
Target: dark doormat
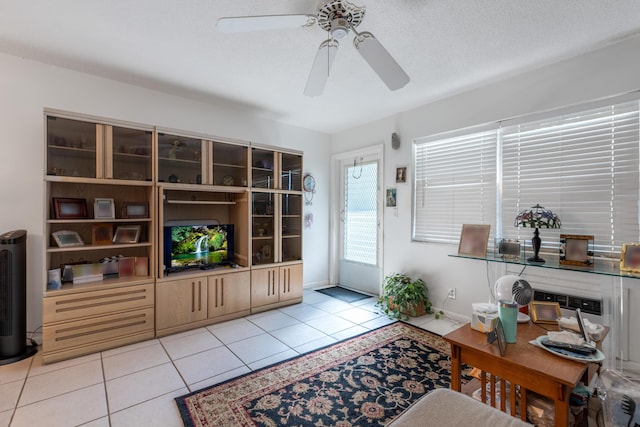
x=343 y=294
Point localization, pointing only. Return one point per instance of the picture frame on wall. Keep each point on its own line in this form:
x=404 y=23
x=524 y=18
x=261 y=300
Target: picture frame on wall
x=630 y=258
x=576 y=250
x=69 y=208
x=474 y=239
x=401 y=175
x=104 y=208
x=391 y=198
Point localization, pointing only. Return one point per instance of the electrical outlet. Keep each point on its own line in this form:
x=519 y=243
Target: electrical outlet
x=452 y=293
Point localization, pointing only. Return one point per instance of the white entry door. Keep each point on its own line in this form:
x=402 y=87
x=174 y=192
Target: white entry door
x=359 y=232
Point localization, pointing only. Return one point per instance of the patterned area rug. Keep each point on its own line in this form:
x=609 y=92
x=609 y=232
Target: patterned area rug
x=366 y=380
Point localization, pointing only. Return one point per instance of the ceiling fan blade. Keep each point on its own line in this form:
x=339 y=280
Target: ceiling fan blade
x=380 y=60
x=321 y=67
x=242 y=24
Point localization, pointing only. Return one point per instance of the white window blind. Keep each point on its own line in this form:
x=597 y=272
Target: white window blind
x=361 y=214
x=455 y=184
x=583 y=167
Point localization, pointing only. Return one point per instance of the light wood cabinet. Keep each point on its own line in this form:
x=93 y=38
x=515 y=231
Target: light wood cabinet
x=275 y=286
x=156 y=179
x=181 y=302
x=229 y=293
x=86 y=321
x=264 y=286
x=290 y=282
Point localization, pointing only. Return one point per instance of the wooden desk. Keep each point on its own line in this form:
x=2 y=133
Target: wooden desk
x=526 y=365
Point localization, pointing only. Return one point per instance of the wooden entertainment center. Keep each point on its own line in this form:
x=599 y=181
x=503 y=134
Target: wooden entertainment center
x=106 y=179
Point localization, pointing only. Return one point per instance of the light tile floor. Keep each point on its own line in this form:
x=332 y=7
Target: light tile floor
x=135 y=385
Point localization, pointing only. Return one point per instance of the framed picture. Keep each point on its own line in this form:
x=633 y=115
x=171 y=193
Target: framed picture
x=101 y=234
x=545 y=312
x=65 y=208
x=630 y=257
x=127 y=234
x=103 y=209
x=576 y=250
x=509 y=249
x=401 y=175
x=135 y=210
x=67 y=238
x=498 y=335
x=474 y=239
x=391 y=198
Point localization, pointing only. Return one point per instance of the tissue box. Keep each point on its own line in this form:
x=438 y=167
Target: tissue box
x=483 y=322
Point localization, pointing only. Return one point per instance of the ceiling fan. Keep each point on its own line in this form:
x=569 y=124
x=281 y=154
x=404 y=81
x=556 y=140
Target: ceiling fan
x=337 y=18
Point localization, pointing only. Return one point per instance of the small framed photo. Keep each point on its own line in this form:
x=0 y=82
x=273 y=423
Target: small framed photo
x=101 y=234
x=67 y=238
x=391 y=198
x=545 y=312
x=135 y=210
x=474 y=240
x=401 y=175
x=127 y=234
x=498 y=335
x=104 y=209
x=65 y=208
x=576 y=250
x=630 y=257
x=509 y=249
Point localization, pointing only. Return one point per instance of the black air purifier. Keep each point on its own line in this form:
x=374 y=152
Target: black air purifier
x=13 y=298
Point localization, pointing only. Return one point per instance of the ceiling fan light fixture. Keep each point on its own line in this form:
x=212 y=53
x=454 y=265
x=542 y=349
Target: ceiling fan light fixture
x=339 y=28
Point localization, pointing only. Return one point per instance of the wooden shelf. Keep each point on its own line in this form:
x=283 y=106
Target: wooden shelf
x=96 y=221
x=99 y=285
x=88 y=248
x=199 y=202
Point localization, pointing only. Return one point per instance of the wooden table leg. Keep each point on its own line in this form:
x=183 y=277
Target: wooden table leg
x=562 y=407
x=455 y=368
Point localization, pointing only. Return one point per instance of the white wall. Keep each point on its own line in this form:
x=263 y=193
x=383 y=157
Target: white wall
x=602 y=73
x=27 y=87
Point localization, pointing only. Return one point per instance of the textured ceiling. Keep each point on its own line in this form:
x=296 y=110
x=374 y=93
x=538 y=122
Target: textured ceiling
x=444 y=46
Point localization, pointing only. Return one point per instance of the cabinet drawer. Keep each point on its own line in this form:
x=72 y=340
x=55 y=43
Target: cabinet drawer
x=95 y=303
x=87 y=332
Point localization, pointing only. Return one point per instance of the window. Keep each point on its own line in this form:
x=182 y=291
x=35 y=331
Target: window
x=455 y=184
x=583 y=166
x=361 y=214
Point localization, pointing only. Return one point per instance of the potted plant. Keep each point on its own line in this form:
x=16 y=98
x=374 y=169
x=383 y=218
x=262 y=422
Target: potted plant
x=402 y=297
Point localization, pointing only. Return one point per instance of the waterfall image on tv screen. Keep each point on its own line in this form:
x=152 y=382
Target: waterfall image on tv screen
x=197 y=245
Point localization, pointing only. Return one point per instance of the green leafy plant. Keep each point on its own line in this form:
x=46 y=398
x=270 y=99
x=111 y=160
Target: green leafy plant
x=402 y=297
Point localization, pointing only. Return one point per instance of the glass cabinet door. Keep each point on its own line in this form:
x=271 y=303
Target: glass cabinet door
x=291 y=172
x=263 y=228
x=262 y=170
x=71 y=148
x=131 y=154
x=229 y=165
x=291 y=230
x=179 y=159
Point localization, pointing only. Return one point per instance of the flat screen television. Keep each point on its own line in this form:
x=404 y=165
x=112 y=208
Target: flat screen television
x=197 y=246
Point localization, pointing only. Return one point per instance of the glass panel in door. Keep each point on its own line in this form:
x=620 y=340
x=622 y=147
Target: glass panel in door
x=229 y=165
x=263 y=228
x=179 y=159
x=291 y=243
x=71 y=148
x=132 y=154
x=262 y=168
x=291 y=178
